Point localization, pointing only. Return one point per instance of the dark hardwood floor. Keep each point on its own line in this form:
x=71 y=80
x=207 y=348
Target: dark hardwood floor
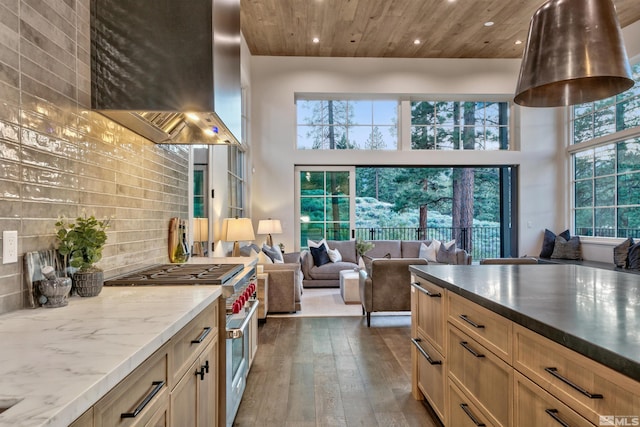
x=333 y=372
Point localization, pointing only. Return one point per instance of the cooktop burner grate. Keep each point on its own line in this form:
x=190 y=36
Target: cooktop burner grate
x=178 y=274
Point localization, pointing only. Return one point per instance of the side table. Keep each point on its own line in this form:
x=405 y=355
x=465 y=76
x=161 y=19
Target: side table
x=349 y=286
x=262 y=294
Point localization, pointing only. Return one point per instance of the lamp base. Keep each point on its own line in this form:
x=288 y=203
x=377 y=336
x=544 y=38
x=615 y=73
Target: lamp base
x=269 y=240
x=236 y=249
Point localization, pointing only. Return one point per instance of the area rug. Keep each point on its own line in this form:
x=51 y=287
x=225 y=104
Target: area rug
x=327 y=302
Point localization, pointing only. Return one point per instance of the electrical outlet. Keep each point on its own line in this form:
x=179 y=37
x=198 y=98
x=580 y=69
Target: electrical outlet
x=9 y=247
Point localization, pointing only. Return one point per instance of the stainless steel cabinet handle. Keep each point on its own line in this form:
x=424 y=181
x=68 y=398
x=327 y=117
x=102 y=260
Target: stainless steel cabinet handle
x=416 y=342
x=202 y=336
x=467 y=411
x=470 y=350
x=157 y=387
x=554 y=372
x=553 y=413
x=471 y=322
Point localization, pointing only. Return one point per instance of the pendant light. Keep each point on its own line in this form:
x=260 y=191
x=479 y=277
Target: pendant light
x=574 y=54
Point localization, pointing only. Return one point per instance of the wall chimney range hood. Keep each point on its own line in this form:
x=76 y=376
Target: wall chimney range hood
x=168 y=70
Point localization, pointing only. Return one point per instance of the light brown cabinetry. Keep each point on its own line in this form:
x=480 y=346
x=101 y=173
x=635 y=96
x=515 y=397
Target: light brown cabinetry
x=535 y=407
x=498 y=373
x=591 y=389
x=176 y=386
x=428 y=332
x=485 y=378
x=138 y=397
x=262 y=293
x=462 y=412
x=193 y=398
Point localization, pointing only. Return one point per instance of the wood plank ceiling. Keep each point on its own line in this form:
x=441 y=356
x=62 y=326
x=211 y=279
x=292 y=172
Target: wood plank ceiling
x=388 y=28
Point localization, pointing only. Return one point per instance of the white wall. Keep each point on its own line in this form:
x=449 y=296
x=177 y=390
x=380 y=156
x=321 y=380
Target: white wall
x=276 y=80
x=540 y=132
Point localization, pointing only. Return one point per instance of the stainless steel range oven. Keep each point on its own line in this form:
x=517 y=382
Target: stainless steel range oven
x=238 y=290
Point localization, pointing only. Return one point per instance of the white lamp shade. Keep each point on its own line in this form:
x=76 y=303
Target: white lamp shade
x=200 y=229
x=269 y=226
x=239 y=229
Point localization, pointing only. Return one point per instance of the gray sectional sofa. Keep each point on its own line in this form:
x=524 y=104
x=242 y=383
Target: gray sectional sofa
x=328 y=275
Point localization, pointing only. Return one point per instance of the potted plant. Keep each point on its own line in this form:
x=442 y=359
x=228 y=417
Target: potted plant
x=81 y=243
x=362 y=247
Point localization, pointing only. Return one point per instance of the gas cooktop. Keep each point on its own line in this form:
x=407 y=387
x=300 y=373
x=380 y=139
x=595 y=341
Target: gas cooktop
x=178 y=274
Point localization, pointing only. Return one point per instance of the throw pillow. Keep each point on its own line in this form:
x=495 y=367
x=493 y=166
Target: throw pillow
x=278 y=259
x=246 y=250
x=430 y=251
x=313 y=244
x=621 y=253
x=334 y=255
x=634 y=257
x=320 y=256
x=447 y=245
x=447 y=255
x=549 y=242
x=271 y=253
x=264 y=259
x=567 y=249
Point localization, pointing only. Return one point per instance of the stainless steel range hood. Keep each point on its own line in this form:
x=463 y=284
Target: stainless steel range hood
x=168 y=70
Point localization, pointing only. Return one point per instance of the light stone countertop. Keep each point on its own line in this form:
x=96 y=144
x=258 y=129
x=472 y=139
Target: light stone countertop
x=58 y=362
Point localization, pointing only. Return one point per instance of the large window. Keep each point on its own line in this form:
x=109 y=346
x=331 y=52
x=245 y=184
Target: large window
x=443 y=125
x=347 y=125
x=607 y=190
x=606 y=165
x=236 y=181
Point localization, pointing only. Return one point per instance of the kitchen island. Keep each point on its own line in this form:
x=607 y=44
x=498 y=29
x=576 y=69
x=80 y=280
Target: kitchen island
x=56 y=363
x=546 y=336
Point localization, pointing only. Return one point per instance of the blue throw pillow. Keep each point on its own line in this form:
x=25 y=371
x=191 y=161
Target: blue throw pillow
x=549 y=242
x=320 y=255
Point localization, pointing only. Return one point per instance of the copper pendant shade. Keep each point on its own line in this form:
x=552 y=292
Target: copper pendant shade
x=574 y=54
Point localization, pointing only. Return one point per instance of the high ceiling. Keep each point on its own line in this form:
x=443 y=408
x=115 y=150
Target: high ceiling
x=388 y=28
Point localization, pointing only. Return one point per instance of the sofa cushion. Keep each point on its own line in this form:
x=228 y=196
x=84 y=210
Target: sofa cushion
x=320 y=256
x=411 y=248
x=330 y=271
x=621 y=253
x=383 y=248
x=347 y=249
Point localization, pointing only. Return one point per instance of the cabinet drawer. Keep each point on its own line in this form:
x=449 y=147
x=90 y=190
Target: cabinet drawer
x=534 y=407
x=432 y=376
x=140 y=395
x=488 y=328
x=192 y=339
x=462 y=412
x=589 y=388
x=482 y=375
x=431 y=312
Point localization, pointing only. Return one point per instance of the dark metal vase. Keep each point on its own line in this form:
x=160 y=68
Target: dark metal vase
x=88 y=283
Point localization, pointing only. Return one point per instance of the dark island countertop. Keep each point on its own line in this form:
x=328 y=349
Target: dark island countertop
x=592 y=311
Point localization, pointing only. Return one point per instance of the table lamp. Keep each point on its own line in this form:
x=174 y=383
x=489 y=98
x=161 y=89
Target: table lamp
x=269 y=227
x=239 y=229
x=200 y=235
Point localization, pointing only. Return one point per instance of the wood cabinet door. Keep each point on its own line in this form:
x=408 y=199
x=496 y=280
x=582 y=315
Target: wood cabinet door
x=207 y=402
x=184 y=398
x=431 y=315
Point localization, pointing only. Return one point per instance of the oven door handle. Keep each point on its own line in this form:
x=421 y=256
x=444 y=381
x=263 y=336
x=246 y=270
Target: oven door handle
x=233 y=334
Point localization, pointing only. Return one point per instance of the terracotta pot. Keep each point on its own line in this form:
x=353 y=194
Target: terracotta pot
x=88 y=283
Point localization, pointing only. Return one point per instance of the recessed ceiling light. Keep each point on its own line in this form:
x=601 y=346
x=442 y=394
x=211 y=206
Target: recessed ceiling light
x=416 y=41
x=316 y=40
x=488 y=23
x=518 y=41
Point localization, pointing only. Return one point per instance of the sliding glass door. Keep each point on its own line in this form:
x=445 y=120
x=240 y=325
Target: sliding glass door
x=325 y=203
